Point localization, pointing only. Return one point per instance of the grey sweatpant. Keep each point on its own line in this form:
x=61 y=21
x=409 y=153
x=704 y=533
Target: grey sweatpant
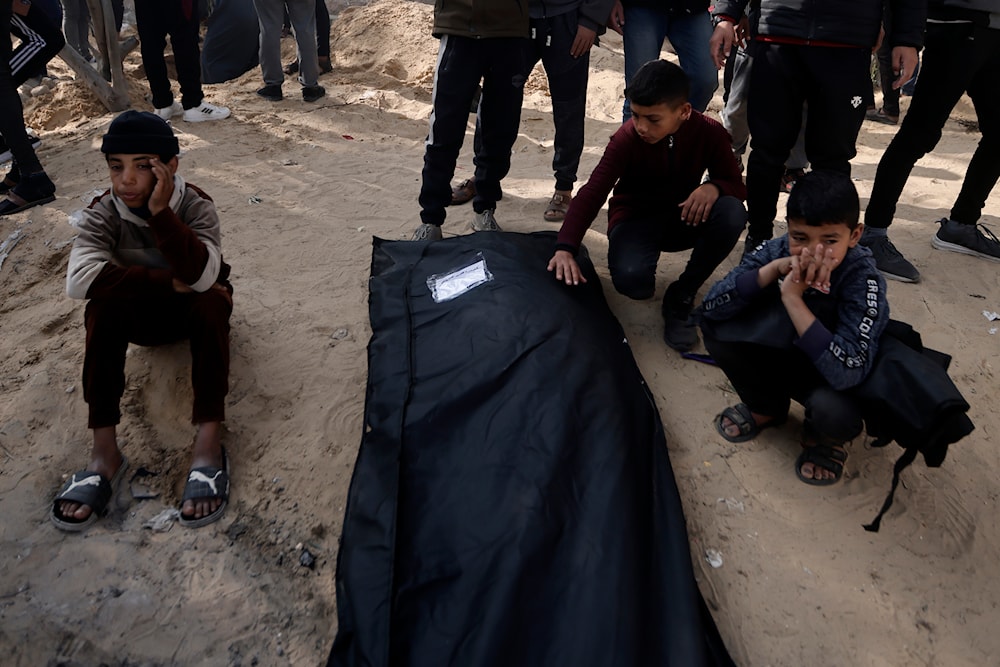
x=302 y=14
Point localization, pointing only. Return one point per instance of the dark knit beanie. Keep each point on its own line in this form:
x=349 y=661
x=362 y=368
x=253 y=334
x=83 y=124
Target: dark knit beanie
x=140 y=132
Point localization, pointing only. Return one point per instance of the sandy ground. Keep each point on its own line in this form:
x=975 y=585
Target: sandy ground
x=301 y=189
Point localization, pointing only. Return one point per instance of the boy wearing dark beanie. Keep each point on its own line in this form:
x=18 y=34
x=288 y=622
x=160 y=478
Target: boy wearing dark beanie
x=148 y=260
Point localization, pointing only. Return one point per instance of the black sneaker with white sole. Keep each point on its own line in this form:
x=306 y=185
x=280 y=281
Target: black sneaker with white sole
x=973 y=239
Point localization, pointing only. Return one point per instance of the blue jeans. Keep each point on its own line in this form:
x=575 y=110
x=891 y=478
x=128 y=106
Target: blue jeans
x=645 y=29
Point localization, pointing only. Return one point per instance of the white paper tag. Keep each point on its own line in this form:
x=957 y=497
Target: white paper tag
x=447 y=286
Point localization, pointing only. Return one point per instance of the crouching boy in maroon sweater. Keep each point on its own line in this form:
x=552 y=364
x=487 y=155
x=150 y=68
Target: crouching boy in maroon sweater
x=149 y=261
x=655 y=164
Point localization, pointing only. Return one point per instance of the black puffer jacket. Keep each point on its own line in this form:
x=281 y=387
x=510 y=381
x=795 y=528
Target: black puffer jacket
x=847 y=22
x=480 y=18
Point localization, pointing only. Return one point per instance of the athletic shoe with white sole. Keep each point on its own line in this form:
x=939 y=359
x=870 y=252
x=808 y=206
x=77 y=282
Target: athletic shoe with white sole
x=973 y=239
x=166 y=113
x=205 y=111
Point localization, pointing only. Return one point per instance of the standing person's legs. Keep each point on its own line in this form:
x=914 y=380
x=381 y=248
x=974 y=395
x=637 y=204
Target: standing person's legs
x=323 y=35
x=11 y=112
x=456 y=76
x=41 y=39
x=836 y=83
x=689 y=33
x=152 y=18
x=890 y=95
x=984 y=167
x=734 y=113
x=946 y=72
x=302 y=14
x=270 y=14
x=27 y=184
x=644 y=30
x=76 y=26
x=774 y=114
x=187 y=56
x=567 y=78
x=499 y=115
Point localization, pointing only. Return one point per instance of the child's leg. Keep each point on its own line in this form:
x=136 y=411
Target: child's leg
x=633 y=251
x=832 y=419
x=208 y=330
x=270 y=16
x=711 y=241
x=757 y=373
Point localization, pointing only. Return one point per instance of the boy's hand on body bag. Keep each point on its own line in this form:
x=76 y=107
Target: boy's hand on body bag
x=164 y=188
x=695 y=209
x=566 y=268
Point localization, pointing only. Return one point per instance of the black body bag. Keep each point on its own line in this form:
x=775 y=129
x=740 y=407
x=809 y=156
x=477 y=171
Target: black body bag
x=512 y=502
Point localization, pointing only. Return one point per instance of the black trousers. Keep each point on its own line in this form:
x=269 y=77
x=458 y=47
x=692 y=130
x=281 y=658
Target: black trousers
x=836 y=86
x=551 y=39
x=767 y=379
x=41 y=40
x=462 y=63
x=634 y=248
x=958 y=58
x=155 y=20
x=11 y=111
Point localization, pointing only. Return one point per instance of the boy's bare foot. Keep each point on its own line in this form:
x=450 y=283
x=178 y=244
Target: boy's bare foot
x=207 y=490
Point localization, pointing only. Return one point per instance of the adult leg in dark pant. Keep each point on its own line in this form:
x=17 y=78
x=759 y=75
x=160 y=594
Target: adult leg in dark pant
x=567 y=77
x=27 y=184
x=153 y=21
x=456 y=77
x=834 y=84
x=41 y=40
x=957 y=58
x=499 y=116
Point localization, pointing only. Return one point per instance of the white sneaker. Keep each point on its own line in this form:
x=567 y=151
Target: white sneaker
x=166 y=113
x=205 y=111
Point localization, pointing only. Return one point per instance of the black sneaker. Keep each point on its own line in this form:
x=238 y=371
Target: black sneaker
x=680 y=329
x=271 y=93
x=890 y=261
x=312 y=93
x=973 y=239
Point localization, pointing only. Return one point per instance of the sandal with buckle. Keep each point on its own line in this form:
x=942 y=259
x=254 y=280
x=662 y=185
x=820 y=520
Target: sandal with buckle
x=557 y=208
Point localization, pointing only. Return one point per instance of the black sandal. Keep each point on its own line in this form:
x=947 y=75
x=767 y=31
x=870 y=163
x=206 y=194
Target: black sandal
x=742 y=417
x=33 y=190
x=827 y=457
